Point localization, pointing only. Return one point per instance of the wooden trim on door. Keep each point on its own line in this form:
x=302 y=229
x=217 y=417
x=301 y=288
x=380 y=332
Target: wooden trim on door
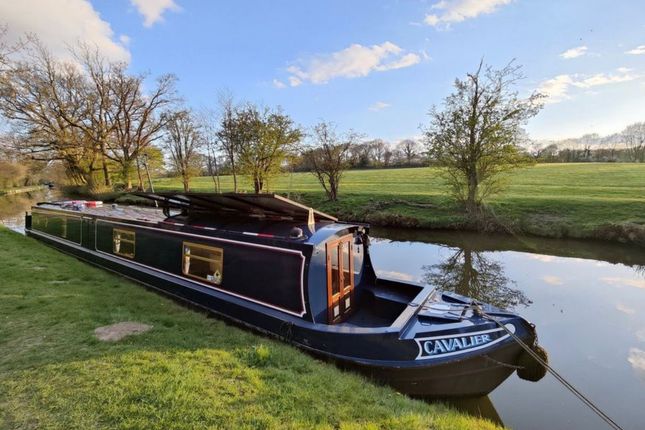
x=342 y=290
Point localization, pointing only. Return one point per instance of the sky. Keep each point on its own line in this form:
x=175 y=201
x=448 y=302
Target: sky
x=373 y=66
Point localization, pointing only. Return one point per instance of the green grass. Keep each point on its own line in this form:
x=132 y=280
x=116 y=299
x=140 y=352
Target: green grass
x=604 y=200
x=190 y=371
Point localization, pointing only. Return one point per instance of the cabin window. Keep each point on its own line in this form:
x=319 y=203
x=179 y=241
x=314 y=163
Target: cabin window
x=335 y=268
x=203 y=262
x=340 y=279
x=56 y=225
x=123 y=242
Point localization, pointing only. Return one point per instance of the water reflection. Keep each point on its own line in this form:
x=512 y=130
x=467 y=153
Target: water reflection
x=472 y=274
x=481 y=407
x=586 y=299
x=13 y=207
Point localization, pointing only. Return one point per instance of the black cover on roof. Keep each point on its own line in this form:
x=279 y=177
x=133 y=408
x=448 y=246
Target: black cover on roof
x=241 y=204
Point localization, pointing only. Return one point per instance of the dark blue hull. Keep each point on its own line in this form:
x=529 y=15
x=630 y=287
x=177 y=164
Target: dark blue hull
x=417 y=354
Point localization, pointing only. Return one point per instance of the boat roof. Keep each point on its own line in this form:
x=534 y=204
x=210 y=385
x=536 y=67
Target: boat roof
x=267 y=205
x=265 y=228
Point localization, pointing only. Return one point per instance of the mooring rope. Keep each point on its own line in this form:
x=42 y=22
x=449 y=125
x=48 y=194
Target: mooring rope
x=551 y=370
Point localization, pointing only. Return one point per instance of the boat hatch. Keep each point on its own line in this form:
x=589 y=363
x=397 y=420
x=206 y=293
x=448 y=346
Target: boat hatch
x=240 y=204
x=340 y=279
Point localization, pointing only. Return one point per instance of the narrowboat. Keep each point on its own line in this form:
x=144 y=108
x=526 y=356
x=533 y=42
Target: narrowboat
x=285 y=269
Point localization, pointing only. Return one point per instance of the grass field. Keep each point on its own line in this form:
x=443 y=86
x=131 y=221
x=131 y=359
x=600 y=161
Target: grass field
x=190 y=371
x=589 y=200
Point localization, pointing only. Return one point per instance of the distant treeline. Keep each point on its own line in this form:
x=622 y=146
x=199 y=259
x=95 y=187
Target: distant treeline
x=628 y=146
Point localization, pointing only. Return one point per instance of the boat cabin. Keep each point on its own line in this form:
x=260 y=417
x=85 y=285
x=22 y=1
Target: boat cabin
x=263 y=249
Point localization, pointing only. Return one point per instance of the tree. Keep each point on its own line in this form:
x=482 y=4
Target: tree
x=409 y=148
x=474 y=137
x=228 y=135
x=634 y=138
x=471 y=273
x=327 y=159
x=387 y=157
x=182 y=141
x=84 y=113
x=137 y=117
x=377 y=149
x=268 y=138
x=209 y=132
x=45 y=100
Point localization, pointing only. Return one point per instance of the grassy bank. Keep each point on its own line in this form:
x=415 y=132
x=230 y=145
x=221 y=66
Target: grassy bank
x=584 y=200
x=189 y=371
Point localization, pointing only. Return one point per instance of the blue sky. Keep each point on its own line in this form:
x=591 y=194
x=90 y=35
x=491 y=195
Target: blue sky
x=374 y=66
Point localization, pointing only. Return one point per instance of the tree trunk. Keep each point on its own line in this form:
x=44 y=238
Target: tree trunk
x=127 y=173
x=467 y=271
x=186 y=180
x=106 y=173
x=471 y=200
x=140 y=187
x=333 y=190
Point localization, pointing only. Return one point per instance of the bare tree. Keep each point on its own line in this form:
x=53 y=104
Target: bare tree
x=475 y=136
x=634 y=138
x=81 y=115
x=228 y=135
x=45 y=100
x=137 y=119
x=208 y=126
x=387 y=157
x=409 y=148
x=376 y=151
x=328 y=157
x=182 y=141
x=472 y=273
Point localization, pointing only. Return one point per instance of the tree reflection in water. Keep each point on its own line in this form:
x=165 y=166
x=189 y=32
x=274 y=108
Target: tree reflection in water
x=471 y=273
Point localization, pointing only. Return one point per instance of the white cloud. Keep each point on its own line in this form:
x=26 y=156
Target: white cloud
x=454 y=11
x=625 y=309
x=558 y=88
x=543 y=258
x=552 y=280
x=352 y=62
x=639 y=50
x=396 y=275
x=153 y=10
x=294 y=82
x=379 y=106
x=574 y=52
x=60 y=25
x=636 y=358
x=604 y=79
x=640 y=335
x=629 y=282
x=279 y=84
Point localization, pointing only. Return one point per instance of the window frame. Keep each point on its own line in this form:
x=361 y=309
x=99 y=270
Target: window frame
x=198 y=257
x=346 y=291
x=116 y=231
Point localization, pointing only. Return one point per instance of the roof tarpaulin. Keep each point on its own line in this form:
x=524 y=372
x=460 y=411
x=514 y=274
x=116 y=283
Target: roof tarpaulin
x=259 y=205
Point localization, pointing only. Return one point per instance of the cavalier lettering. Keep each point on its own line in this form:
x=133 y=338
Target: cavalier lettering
x=442 y=346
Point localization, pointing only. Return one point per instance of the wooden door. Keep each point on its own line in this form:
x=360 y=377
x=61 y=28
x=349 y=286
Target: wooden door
x=340 y=279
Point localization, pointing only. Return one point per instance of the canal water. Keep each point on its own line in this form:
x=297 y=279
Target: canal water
x=586 y=298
